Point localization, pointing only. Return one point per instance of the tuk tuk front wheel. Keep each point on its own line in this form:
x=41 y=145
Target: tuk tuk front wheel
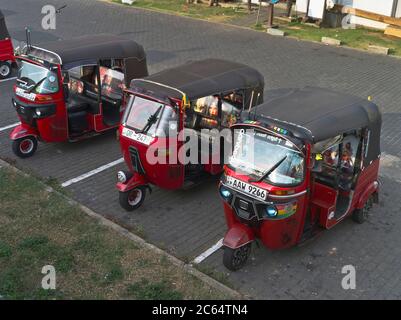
x=25 y=147
x=235 y=259
x=361 y=215
x=5 y=69
x=133 y=199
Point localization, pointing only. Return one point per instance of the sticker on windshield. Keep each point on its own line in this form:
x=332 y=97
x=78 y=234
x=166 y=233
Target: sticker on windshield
x=142 y=138
x=247 y=188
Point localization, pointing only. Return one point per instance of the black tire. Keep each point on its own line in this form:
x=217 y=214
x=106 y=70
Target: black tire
x=5 y=69
x=235 y=259
x=361 y=215
x=129 y=203
x=25 y=147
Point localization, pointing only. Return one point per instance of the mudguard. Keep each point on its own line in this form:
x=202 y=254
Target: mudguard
x=22 y=131
x=238 y=235
x=133 y=182
x=371 y=189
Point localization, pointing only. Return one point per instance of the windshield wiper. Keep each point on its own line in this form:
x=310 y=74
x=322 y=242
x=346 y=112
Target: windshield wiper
x=151 y=121
x=268 y=172
x=37 y=84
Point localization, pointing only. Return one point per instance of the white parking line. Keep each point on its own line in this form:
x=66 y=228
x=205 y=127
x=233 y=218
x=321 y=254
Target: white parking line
x=92 y=173
x=9 y=126
x=208 y=252
x=9 y=79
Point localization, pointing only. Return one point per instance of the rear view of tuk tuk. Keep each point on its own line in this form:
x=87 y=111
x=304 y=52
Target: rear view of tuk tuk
x=302 y=162
x=167 y=111
x=73 y=89
x=7 y=59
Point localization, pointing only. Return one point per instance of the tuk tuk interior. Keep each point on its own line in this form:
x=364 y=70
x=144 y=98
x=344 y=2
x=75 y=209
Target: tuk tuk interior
x=320 y=152
x=205 y=94
x=88 y=74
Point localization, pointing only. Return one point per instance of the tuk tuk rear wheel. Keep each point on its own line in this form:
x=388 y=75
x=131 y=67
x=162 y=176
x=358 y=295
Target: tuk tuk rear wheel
x=235 y=259
x=133 y=199
x=25 y=147
x=361 y=215
x=5 y=69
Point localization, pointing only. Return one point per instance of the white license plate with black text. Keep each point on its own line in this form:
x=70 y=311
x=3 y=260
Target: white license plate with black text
x=142 y=138
x=247 y=188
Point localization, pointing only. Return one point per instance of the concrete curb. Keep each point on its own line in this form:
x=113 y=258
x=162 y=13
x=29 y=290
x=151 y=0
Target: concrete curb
x=138 y=240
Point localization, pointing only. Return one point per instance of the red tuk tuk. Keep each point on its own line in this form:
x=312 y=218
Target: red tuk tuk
x=73 y=89
x=7 y=59
x=196 y=99
x=302 y=162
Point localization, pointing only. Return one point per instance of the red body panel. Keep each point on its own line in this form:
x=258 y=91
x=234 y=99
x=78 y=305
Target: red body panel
x=6 y=50
x=135 y=181
x=238 y=235
x=22 y=131
x=367 y=184
x=322 y=202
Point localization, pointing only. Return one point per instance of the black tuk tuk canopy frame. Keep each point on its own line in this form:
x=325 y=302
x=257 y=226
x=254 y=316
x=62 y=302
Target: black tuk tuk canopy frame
x=197 y=79
x=93 y=48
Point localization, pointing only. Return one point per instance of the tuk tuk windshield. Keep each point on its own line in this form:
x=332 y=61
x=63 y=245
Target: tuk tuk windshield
x=155 y=118
x=263 y=155
x=37 y=78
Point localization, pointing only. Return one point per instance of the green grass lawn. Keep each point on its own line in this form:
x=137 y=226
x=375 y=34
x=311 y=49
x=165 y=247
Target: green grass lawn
x=200 y=11
x=359 y=38
x=39 y=228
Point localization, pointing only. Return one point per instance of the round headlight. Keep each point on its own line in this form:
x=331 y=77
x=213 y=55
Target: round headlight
x=38 y=112
x=121 y=176
x=271 y=211
x=225 y=193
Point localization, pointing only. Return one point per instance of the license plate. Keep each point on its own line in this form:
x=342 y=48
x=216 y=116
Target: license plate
x=247 y=188
x=142 y=138
x=21 y=93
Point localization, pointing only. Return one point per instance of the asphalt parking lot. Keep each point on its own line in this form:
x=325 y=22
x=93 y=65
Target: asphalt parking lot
x=188 y=223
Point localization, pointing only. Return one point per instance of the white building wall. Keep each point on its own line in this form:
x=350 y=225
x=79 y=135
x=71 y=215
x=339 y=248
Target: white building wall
x=383 y=7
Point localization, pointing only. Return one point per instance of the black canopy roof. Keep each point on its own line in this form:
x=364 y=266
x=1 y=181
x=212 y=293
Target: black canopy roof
x=3 y=27
x=89 y=47
x=202 y=78
x=316 y=114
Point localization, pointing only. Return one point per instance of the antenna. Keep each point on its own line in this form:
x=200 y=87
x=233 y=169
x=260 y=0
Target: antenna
x=61 y=8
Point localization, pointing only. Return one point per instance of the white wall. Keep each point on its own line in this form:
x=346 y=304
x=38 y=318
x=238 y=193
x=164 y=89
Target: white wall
x=383 y=7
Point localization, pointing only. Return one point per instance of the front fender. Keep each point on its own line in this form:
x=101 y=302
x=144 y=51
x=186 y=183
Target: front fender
x=133 y=182
x=238 y=235
x=22 y=131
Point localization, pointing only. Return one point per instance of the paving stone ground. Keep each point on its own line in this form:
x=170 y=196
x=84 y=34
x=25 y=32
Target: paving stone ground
x=188 y=222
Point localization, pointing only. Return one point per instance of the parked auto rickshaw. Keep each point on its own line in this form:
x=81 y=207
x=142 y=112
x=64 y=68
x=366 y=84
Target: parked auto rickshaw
x=73 y=89
x=195 y=98
x=302 y=162
x=7 y=59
